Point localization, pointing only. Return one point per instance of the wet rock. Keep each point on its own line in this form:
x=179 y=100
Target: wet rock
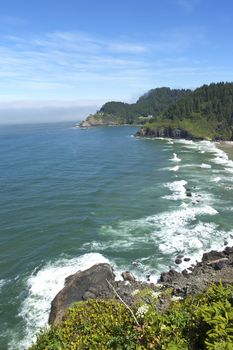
x=215 y=267
x=80 y=286
x=187 y=259
x=180 y=256
x=228 y=251
x=128 y=276
x=178 y=261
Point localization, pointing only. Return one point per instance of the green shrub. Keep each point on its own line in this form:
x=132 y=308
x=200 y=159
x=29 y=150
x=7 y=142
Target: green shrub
x=202 y=322
x=95 y=324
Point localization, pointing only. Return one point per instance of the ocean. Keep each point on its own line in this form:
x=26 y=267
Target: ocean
x=70 y=198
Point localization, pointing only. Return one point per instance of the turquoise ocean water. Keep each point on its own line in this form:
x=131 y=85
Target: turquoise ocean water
x=70 y=198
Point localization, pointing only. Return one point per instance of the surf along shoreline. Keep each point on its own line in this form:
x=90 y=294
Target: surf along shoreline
x=190 y=281
x=214 y=267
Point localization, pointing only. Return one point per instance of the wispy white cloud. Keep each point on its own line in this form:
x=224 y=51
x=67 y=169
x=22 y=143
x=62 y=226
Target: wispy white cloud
x=66 y=65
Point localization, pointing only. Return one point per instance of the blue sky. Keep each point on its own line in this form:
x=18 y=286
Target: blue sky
x=74 y=54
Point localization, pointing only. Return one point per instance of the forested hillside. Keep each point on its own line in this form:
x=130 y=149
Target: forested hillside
x=153 y=103
x=207 y=112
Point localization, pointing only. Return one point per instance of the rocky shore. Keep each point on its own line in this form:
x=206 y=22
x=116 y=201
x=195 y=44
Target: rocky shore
x=168 y=132
x=92 y=121
x=99 y=282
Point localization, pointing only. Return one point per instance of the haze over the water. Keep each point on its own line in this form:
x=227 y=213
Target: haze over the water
x=61 y=60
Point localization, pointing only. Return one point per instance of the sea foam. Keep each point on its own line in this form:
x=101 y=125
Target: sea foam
x=178 y=189
x=42 y=287
x=175 y=158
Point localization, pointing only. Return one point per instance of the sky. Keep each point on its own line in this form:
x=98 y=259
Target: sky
x=62 y=59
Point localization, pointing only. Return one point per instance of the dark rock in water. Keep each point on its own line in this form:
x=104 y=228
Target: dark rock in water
x=187 y=259
x=188 y=194
x=225 y=242
x=178 y=261
x=81 y=286
x=180 y=256
x=128 y=276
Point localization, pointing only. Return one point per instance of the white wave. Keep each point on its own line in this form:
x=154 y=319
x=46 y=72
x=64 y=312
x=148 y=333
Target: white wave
x=42 y=288
x=113 y=245
x=221 y=158
x=230 y=170
x=171 y=231
x=2 y=283
x=216 y=179
x=205 y=166
x=178 y=189
x=175 y=158
x=175 y=168
x=187 y=142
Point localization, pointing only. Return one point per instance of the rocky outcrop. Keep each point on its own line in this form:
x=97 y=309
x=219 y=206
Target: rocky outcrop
x=98 y=120
x=99 y=282
x=91 y=283
x=96 y=282
x=174 y=133
x=214 y=267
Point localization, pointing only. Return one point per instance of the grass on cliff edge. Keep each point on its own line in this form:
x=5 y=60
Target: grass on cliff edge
x=203 y=322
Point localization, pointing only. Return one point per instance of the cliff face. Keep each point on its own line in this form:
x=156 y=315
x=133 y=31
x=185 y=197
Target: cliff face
x=97 y=282
x=174 y=133
x=96 y=120
x=94 y=283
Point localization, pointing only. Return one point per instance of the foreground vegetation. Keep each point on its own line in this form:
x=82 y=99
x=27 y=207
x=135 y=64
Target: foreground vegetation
x=203 y=322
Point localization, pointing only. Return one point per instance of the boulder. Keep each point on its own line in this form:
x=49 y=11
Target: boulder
x=128 y=276
x=178 y=261
x=91 y=283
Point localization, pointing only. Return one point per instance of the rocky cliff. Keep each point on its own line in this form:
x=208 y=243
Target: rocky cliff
x=100 y=119
x=96 y=282
x=99 y=282
x=174 y=133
